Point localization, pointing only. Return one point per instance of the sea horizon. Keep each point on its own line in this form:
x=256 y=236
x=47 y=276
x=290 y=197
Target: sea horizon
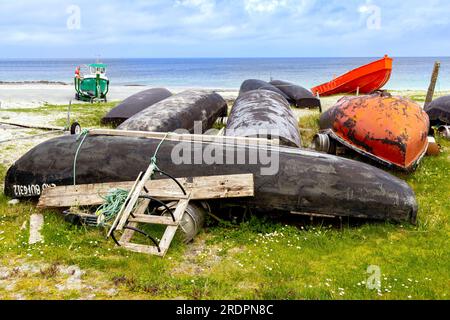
x=409 y=73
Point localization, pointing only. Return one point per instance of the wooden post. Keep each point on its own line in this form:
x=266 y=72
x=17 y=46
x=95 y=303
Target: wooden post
x=357 y=92
x=433 y=81
x=320 y=105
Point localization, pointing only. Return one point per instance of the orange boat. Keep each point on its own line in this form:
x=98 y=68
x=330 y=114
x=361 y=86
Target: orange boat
x=366 y=79
x=390 y=130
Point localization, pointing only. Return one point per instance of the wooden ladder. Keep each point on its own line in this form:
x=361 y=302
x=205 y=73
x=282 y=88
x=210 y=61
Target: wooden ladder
x=128 y=218
x=161 y=248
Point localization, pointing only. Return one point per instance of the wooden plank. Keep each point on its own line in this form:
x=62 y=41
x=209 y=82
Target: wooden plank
x=171 y=230
x=127 y=233
x=183 y=137
x=31 y=126
x=169 y=233
x=36 y=224
x=161 y=220
x=200 y=188
x=140 y=210
x=141 y=248
x=134 y=196
x=117 y=219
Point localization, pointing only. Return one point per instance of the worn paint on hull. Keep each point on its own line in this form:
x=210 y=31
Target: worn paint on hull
x=135 y=104
x=254 y=84
x=439 y=111
x=179 y=111
x=305 y=181
x=391 y=130
x=298 y=96
x=260 y=113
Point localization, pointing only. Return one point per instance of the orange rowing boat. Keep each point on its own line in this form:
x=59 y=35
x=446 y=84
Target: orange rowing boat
x=365 y=79
x=391 y=130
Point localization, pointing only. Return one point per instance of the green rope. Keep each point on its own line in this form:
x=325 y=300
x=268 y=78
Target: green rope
x=82 y=135
x=113 y=203
x=154 y=160
x=116 y=198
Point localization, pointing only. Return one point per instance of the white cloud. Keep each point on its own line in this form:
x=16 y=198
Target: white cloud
x=205 y=6
x=264 y=6
x=301 y=26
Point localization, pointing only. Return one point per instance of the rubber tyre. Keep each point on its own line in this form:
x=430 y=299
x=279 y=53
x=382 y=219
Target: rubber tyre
x=75 y=128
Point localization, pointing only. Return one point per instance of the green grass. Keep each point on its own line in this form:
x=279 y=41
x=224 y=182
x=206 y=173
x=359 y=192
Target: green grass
x=260 y=258
x=87 y=114
x=311 y=124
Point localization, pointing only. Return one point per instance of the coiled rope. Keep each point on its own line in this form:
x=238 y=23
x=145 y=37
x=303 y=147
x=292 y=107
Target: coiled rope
x=117 y=197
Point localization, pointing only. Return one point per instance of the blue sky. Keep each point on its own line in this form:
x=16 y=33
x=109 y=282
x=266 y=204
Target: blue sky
x=223 y=28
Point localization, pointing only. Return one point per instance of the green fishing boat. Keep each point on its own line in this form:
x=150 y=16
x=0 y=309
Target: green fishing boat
x=91 y=83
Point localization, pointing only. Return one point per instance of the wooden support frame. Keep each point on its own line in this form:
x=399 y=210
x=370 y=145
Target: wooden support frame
x=133 y=212
x=200 y=188
x=185 y=137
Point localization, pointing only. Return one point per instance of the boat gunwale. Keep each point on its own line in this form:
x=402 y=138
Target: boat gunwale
x=389 y=164
x=385 y=67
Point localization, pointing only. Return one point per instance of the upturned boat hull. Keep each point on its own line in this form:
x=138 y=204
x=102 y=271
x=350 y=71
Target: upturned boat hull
x=390 y=130
x=135 y=104
x=439 y=111
x=180 y=111
x=263 y=114
x=295 y=181
x=298 y=96
x=254 y=84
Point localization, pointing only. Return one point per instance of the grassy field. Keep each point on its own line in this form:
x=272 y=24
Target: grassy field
x=259 y=258
x=89 y=115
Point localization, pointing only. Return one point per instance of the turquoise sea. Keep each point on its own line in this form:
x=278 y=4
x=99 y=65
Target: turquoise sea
x=408 y=73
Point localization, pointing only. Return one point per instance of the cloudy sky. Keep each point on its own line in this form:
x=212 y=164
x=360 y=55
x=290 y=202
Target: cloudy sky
x=223 y=28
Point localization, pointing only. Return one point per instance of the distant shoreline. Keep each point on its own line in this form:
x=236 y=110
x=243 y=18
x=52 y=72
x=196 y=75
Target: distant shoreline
x=35 y=82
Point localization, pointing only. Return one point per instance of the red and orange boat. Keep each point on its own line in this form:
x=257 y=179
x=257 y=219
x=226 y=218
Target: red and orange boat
x=365 y=79
x=390 y=130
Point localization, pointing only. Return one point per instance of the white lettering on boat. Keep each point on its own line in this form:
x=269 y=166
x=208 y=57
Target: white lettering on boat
x=31 y=190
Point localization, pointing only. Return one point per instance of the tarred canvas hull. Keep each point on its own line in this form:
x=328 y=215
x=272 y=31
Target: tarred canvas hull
x=365 y=79
x=392 y=130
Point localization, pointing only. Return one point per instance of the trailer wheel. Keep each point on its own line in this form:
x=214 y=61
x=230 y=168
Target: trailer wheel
x=75 y=128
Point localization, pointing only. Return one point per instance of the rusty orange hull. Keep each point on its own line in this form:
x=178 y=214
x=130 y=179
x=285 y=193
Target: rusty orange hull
x=391 y=130
x=366 y=79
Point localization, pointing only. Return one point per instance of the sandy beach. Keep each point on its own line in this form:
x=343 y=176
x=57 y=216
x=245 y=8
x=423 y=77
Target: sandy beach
x=32 y=95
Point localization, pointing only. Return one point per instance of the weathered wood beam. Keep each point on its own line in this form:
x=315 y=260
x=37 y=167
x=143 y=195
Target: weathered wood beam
x=200 y=188
x=432 y=87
